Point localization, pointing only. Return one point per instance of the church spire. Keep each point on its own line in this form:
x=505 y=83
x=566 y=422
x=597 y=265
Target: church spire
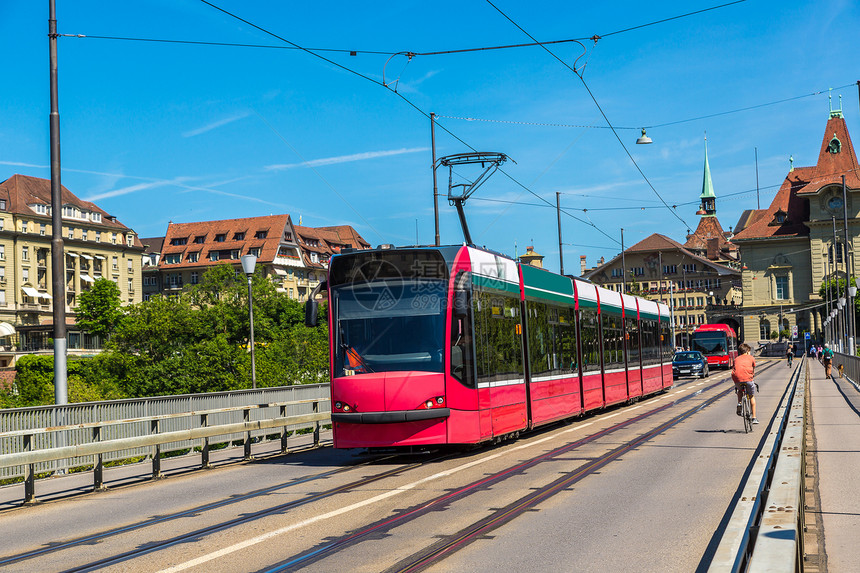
x=709 y=200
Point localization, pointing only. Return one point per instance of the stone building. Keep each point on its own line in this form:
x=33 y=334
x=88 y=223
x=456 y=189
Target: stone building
x=789 y=248
x=96 y=245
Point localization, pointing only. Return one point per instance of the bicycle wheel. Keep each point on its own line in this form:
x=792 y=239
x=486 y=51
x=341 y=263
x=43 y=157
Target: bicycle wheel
x=746 y=414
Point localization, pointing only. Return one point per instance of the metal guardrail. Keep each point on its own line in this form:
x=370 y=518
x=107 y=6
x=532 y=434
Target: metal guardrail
x=850 y=364
x=765 y=529
x=73 y=424
x=95 y=448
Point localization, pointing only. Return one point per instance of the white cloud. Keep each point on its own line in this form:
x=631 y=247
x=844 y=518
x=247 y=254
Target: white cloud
x=216 y=124
x=346 y=158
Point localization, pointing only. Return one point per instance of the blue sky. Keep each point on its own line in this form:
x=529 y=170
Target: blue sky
x=157 y=132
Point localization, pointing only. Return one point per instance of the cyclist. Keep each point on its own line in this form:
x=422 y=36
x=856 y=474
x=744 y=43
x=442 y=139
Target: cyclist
x=789 y=354
x=743 y=373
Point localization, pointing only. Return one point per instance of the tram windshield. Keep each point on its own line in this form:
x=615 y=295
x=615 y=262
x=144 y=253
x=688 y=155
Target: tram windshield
x=389 y=325
x=710 y=343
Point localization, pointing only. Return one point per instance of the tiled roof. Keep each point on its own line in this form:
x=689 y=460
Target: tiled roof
x=152 y=244
x=274 y=226
x=802 y=182
x=20 y=191
x=710 y=228
x=326 y=241
x=658 y=242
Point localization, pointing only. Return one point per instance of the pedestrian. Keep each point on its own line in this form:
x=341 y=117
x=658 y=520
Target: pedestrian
x=827 y=360
x=789 y=354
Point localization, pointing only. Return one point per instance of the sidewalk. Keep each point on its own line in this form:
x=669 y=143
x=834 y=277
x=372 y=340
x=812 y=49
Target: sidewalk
x=836 y=423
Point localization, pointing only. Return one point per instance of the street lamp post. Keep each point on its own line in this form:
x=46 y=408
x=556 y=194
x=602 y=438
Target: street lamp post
x=249 y=262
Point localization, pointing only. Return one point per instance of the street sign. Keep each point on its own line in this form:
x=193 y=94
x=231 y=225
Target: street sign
x=806 y=336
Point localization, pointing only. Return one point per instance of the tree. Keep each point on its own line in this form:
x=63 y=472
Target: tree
x=99 y=309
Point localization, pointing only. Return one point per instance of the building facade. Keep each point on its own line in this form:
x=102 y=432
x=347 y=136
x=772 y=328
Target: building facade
x=294 y=257
x=796 y=244
x=696 y=289
x=95 y=244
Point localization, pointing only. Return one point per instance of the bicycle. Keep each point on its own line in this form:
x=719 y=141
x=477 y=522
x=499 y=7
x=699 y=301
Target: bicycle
x=746 y=410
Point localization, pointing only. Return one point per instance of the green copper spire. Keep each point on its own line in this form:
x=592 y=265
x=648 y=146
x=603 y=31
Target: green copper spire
x=709 y=200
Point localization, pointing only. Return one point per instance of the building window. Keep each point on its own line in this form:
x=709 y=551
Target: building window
x=200 y=239
x=147 y=297
x=2 y=252
x=781 y=288
x=838 y=254
x=115 y=263
x=130 y=284
x=220 y=237
x=764 y=330
x=638 y=271
x=193 y=257
x=2 y=274
x=239 y=236
x=84 y=234
x=98 y=236
x=131 y=265
x=173 y=259
x=25 y=253
x=96 y=217
x=261 y=234
x=670 y=269
x=129 y=240
x=2 y=223
x=113 y=238
x=179 y=241
x=690 y=268
x=213 y=255
x=42 y=229
x=234 y=254
x=71 y=233
x=25 y=275
x=195 y=278
x=254 y=251
x=3 y=204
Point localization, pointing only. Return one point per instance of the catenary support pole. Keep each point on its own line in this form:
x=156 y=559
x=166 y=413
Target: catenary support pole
x=61 y=394
x=435 y=188
x=560 y=250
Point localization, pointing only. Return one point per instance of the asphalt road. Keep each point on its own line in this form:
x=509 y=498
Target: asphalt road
x=641 y=488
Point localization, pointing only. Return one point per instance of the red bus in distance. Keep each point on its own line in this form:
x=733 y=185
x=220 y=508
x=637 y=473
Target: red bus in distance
x=718 y=343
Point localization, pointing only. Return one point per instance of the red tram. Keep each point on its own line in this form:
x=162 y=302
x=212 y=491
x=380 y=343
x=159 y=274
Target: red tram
x=459 y=345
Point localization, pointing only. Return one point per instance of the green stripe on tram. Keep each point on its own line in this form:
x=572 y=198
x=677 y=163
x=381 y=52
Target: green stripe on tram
x=496 y=283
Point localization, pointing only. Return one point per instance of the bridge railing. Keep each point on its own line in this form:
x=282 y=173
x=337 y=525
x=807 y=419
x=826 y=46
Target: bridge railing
x=765 y=531
x=90 y=434
x=850 y=366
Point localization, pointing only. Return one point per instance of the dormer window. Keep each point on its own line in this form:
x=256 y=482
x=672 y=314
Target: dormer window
x=177 y=241
x=200 y=239
x=220 y=237
x=240 y=236
x=96 y=217
x=40 y=208
x=261 y=234
x=779 y=217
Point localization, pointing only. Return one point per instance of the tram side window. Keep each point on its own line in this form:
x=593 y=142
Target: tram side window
x=650 y=335
x=552 y=339
x=632 y=335
x=498 y=348
x=462 y=368
x=613 y=348
x=666 y=342
x=588 y=336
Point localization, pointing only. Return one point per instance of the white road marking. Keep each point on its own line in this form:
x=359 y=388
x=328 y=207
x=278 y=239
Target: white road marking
x=272 y=534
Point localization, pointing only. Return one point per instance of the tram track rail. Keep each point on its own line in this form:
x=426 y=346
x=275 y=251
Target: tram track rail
x=425 y=559
x=102 y=536
x=451 y=543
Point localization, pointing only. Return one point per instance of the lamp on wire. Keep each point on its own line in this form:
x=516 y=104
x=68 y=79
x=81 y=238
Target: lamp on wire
x=644 y=140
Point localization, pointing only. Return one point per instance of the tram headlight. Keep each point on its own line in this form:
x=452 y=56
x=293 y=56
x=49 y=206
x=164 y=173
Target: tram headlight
x=346 y=408
x=338 y=405
x=440 y=400
x=428 y=404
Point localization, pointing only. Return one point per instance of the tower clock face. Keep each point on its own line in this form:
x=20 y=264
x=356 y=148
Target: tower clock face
x=834 y=203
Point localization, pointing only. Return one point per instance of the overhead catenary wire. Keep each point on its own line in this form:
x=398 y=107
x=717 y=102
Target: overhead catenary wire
x=596 y=103
x=404 y=98
x=354 y=52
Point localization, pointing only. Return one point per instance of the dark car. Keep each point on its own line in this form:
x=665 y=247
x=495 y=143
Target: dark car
x=689 y=363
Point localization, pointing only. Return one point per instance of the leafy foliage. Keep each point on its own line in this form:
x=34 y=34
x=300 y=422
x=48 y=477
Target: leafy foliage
x=195 y=342
x=99 y=309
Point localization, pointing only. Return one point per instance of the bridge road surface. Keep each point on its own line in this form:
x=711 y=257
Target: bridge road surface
x=641 y=488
